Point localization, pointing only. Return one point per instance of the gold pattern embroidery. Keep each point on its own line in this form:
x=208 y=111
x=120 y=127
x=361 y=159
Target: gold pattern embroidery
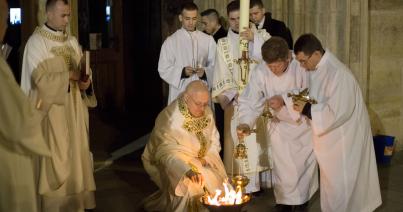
x=195 y=125
x=67 y=53
x=51 y=36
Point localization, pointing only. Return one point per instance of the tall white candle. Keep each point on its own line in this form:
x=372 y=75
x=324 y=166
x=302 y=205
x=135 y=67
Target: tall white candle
x=243 y=22
x=87 y=62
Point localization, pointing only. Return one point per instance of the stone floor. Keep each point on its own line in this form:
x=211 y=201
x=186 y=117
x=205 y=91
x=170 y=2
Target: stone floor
x=122 y=185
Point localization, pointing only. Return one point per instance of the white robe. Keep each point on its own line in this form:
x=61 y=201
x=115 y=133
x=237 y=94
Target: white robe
x=21 y=141
x=342 y=140
x=226 y=82
x=168 y=156
x=181 y=49
x=66 y=180
x=295 y=172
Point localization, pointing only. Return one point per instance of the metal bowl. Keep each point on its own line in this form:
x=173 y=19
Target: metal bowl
x=227 y=208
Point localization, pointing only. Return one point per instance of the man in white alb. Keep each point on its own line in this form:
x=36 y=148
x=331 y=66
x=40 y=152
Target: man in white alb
x=226 y=90
x=186 y=55
x=342 y=138
x=295 y=173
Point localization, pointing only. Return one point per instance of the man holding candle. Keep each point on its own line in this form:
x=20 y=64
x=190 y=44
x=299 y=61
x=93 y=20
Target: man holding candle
x=53 y=63
x=227 y=86
x=342 y=138
x=186 y=55
x=182 y=155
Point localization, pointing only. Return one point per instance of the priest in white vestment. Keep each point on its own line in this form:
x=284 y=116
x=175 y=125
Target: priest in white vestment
x=342 y=134
x=182 y=155
x=21 y=139
x=295 y=173
x=186 y=55
x=52 y=63
x=226 y=89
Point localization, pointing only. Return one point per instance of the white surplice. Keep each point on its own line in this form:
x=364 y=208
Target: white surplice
x=184 y=48
x=226 y=82
x=342 y=140
x=21 y=142
x=66 y=180
x=172 y=150
x=295 y=172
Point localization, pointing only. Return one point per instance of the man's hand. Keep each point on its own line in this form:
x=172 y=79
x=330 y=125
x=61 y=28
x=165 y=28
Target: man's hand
x=299 y=106
x=195 y=177
x=242 y=130
x=84 y=85
x=75 y=75
x=223 y=101
x=247 y=34
x=189 y=71
x=276 y=102
x=200 y=72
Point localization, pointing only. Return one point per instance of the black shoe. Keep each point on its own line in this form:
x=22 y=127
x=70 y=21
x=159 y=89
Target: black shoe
x=282 y=208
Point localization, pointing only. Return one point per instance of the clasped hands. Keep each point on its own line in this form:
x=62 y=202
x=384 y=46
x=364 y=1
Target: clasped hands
x=189 y=71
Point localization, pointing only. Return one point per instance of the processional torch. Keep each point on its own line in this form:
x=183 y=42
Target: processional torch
x=240 y=151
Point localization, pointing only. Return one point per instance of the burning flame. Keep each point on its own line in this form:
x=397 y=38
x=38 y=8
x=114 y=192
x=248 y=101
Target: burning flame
x=230 y=196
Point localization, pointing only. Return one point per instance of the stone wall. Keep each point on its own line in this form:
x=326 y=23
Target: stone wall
x=385 y=89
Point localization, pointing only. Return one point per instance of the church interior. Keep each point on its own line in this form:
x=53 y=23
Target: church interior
x=125 y=37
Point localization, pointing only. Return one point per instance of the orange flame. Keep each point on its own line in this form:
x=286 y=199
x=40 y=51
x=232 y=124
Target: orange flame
x=230 y=196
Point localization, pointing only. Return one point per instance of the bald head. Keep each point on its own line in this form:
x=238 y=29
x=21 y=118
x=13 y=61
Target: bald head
x=3 y=18
x=196 y=97
x=196 y=86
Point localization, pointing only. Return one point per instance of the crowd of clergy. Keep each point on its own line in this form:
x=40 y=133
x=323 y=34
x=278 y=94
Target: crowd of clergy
x=294 y=146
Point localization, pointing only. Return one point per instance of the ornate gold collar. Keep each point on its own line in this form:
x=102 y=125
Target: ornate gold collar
x=51 y=36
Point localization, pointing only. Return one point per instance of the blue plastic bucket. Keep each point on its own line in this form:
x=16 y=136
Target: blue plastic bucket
x=383 y=145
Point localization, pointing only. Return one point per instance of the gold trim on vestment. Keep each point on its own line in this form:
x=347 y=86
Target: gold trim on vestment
x=52 y=36
x=195 y=125
x=66 y=52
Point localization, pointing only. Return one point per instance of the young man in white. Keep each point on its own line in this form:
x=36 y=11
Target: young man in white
x=342 y=138
x=186 y=55
x=226 y=90
x=295 y=173
x=51 y=63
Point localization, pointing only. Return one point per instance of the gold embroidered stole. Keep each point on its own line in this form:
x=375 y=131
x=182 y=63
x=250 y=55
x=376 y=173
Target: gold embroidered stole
x=195 y=125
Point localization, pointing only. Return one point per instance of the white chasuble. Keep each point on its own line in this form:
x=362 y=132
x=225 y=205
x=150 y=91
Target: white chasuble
x=21 y=142
x=183 y=48
x=176 y=143
x=295 y=173
x=227 y=79
x=342 y=140
x=66 y=179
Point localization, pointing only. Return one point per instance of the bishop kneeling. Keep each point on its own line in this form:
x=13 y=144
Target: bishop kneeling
x=182 y=155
